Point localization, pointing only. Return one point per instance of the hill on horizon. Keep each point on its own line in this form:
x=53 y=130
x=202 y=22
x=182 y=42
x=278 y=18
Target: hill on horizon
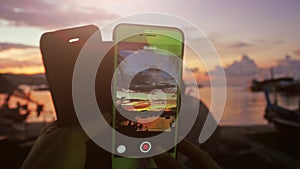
x=23 y=79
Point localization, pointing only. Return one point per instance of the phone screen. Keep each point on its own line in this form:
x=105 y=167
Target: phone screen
x=151 y=89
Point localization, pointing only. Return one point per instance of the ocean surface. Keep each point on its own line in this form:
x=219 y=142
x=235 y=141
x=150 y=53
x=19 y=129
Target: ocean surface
x=242 y=106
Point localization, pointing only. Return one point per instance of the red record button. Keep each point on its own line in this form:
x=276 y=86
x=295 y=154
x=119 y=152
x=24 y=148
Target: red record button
x=145 y=146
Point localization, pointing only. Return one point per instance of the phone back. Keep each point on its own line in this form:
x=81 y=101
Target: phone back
x=60 y=50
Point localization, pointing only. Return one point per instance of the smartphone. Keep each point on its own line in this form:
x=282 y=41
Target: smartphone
x=60 y=50
x=147 y=83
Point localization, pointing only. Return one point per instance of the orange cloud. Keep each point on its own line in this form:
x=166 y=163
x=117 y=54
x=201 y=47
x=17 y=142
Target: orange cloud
x=19 y=59
x=23 y=70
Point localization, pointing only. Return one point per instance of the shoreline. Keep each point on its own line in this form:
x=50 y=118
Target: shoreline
x=233 y=147
x=256 y=146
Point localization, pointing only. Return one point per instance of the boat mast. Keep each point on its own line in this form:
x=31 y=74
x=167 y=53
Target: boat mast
x=273 y=85
x=298 y=102
x=272 y=73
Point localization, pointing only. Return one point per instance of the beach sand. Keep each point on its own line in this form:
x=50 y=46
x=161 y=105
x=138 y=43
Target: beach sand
x=249 y=147
x=233 y=147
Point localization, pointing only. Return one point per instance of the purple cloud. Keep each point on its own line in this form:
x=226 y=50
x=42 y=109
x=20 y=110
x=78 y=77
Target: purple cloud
x=297 y=52
x=244 y=67
x=7 y=46
x=9 y=63
x=240 y=44
x=266 y=42
x=287 y=67
x=50 y=14
x=241 y=72
x=195 y=70
x=238 y=73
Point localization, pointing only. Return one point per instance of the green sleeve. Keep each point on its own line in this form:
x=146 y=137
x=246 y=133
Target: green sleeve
x=58 y=148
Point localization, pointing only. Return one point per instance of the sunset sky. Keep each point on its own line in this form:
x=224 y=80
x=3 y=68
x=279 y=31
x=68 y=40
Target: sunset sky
x=266 y=31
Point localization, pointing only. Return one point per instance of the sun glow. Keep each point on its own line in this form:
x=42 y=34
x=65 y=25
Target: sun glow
x=21 y=61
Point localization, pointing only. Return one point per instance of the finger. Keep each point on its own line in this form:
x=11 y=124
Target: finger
x=165 y=160
x=108 y=117
x=201 y=158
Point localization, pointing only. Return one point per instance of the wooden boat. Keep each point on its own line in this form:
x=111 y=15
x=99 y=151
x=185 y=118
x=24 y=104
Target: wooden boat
x=290 y=87
x=280 y=84
x=283 y=84
x=286 y=121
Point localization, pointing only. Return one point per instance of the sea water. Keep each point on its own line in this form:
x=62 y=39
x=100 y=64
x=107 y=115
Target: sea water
x=242 y=107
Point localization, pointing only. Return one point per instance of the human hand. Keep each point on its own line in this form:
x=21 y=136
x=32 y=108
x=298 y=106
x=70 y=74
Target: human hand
x=59 y=148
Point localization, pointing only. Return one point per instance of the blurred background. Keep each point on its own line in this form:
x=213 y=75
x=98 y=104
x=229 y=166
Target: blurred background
x=258 y=42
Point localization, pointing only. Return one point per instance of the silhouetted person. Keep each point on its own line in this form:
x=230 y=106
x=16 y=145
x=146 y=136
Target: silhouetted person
x=5 y=105
x=25 y=106
x=39 y=109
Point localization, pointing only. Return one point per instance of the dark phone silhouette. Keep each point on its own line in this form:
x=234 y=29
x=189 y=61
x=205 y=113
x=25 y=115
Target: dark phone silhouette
x=60 y=50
